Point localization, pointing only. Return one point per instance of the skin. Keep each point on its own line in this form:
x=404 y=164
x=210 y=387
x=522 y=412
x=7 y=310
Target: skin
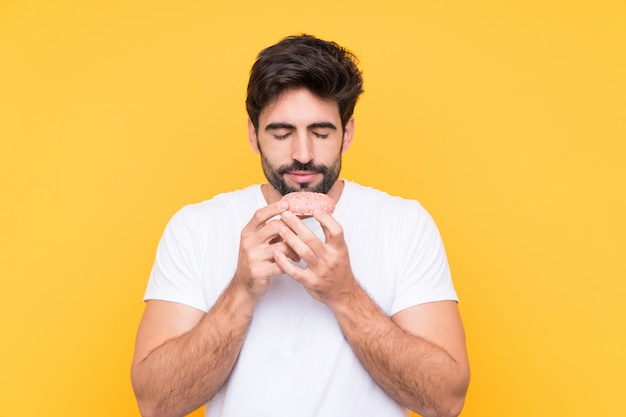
x=183 y=355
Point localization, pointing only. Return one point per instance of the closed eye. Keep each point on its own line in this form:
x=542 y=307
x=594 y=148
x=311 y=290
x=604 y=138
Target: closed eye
x=280 y=130
x=322 y=130
x=282 y=137
x=321 y=135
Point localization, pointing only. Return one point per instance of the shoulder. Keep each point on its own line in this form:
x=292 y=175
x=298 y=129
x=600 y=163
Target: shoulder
x=358 y=198
x=229 y=204
x=224 y=210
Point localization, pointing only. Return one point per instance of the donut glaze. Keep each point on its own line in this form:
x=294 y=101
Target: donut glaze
x=304 y=203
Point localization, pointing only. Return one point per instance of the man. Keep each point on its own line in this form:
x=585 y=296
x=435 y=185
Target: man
x=257 y=312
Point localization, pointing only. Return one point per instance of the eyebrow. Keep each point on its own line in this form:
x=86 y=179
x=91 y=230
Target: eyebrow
x=316 y=125
x=322 y=125
x=279 y=125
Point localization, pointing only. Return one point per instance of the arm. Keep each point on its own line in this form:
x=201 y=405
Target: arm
x=182 y=355
x=417 y=356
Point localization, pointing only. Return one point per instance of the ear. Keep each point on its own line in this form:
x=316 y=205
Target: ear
x=252 y=138
x=348 y=133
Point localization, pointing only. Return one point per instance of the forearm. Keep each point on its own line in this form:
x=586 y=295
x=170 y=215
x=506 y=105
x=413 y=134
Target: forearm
x=185 y=372
x=415 y=372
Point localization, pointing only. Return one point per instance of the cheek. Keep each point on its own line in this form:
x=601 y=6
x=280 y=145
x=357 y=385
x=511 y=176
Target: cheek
x=275 y=154
x=270 y=145
x=328 y=152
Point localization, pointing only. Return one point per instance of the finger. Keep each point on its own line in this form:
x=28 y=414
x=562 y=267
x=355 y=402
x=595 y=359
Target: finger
x=285 y=249
x=268 y=233
x=264 y=214
x=301 y=248
x=289 y=267
x=274 y=269
x=331 y=227
x=304 y=235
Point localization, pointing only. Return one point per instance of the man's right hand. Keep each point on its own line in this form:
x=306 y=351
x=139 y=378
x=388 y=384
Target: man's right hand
x=259 y=241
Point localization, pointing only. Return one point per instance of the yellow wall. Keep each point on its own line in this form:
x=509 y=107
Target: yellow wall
x=507 y=119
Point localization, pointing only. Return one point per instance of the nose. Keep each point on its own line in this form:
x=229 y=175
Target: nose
x=302 y=150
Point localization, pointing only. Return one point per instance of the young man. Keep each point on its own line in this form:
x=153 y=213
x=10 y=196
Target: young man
x=254 y=311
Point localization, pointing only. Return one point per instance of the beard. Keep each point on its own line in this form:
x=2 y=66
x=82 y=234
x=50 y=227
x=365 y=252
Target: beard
x=275 y=175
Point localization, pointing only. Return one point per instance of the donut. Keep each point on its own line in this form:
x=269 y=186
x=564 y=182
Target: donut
x=304 y=203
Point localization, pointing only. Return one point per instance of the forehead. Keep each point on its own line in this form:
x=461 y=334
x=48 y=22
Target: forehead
x=300 y=106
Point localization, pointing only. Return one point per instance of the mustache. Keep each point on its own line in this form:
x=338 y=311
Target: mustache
x=299 y=166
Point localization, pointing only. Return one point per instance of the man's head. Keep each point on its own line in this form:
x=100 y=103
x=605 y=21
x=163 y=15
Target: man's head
x=301 y=96
x=324 y=68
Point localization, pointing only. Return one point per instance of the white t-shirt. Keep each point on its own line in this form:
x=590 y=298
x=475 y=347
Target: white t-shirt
x=295 y=360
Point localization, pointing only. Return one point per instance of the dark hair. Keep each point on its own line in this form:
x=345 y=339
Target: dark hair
x=324 y=68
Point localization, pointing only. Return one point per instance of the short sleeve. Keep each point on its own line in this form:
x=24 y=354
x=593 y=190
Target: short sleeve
x=176 y=273
x=424 y=273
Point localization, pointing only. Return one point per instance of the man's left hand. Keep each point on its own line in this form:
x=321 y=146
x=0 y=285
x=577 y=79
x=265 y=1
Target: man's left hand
x=328 y=275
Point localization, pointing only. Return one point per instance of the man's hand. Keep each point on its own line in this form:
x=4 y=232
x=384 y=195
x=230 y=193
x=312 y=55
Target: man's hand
x=328 y=276
x=260 y=241
x=417 y=356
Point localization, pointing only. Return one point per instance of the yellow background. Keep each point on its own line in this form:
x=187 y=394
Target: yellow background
x=506 y=119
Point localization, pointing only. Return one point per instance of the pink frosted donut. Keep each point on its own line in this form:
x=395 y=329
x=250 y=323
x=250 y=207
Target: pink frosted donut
x=304 y=203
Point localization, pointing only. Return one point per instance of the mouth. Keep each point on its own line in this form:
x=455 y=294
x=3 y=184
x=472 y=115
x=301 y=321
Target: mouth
x=301 y=177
